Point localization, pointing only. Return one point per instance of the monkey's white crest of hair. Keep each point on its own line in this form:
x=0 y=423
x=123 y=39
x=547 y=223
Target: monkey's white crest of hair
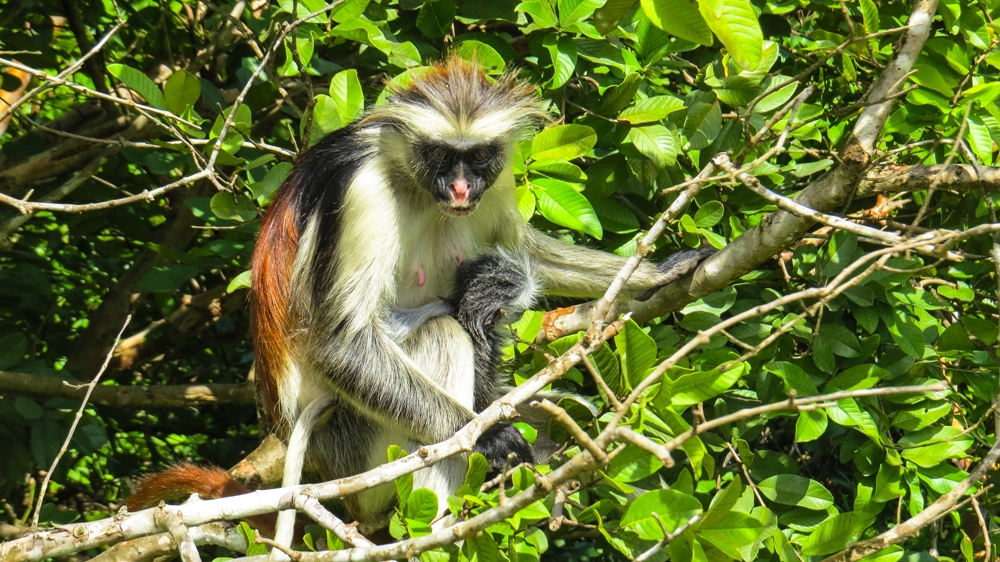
x=456 y=103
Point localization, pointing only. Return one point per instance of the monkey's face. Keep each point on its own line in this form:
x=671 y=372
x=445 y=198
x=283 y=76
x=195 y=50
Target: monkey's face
x=457 y=178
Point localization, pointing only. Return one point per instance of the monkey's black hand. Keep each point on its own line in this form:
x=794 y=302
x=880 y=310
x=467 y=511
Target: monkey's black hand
x=498 y=442
x=676 y=266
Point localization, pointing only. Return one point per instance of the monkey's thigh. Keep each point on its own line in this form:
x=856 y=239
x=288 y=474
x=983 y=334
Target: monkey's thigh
x=443 y=351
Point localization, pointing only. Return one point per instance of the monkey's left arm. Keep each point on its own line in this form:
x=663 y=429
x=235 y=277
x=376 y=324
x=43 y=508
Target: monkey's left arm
x=575 y=271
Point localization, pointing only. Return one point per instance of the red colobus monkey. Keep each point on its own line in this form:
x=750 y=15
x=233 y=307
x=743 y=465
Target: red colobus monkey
x=361 y=243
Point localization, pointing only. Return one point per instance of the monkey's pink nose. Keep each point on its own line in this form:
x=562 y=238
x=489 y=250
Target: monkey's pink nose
x=459 y=192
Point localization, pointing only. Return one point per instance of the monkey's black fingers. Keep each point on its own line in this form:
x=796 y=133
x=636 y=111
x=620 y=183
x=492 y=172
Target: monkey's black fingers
x=676 y=266
x=498 y=442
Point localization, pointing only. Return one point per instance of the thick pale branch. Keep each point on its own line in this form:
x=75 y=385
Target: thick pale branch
x=160 y=396
x=958 y=177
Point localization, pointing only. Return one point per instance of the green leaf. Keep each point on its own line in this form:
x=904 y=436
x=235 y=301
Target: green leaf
x=840 y=252
x=860 y=418
x=839 y=339
x=541 y=13
x=241 y=281
x=181 y=91
x=422 y=505
x=709 y=214
x=13 y=347
x=563 y=53
x=435 y=18
x=656 y=142
x=946 y=443
x=856 y=378
x=906 y=334
x=481 y=53
x=525 y=202
x=475 y=476
x=350 y=9
x=563 y=205
x=734 y=22
x=563 y=142
x=139 y=82
x=637 y=351
x=983 y=93
x=836 y=533
x=325 y=119
x=606 y=363
x=795 y=378
x=572 y=11
x=650 y=110
x=607 y=16
x=345 y=89
x=869 y=11
x=680 y=18
x=165 y=279
x=673 y=507
x=723 y=502
x=791 y=489
x=232 y=206
x=272 y=180
x=731 y=532
x=699 y=386
x=617 y=98
x=810 y=426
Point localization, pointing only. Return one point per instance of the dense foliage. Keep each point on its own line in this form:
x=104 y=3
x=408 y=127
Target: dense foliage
x=643 y=95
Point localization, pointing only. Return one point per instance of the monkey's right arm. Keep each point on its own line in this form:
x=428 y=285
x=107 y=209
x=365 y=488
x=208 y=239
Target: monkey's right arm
x=575 y=271
x=372 y=373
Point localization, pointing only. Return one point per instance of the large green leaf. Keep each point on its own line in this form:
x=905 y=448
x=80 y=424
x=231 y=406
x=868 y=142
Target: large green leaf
x=673 y=508
x=345 y=89
x=651 y=110
x=731 y=532
x=836 y=533
x=637 y=350
x=679 y=17
x=734 y=22
x=563 y=142
x=699 y=386
x=563 y=205
x=181 y=91
x=657 y=142
x=791 y=489
x=139 y=82
x=435 y=18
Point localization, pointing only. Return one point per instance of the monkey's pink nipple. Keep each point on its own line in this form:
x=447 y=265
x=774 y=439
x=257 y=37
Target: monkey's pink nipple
x=421 y=277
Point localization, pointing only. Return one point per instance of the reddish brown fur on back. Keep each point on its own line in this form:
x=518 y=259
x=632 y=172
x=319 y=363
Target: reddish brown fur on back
x=183 y=480
x=271 y=268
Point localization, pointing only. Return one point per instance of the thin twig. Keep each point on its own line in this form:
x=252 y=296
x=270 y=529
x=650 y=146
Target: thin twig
x=72 y=427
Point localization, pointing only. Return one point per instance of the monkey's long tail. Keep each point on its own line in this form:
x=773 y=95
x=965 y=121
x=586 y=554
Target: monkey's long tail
x=180 y=481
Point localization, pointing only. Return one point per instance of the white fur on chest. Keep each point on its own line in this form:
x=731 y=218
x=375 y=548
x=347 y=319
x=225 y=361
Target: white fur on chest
x=432 y=246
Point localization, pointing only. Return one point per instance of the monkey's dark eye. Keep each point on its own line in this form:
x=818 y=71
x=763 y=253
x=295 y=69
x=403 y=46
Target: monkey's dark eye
x=438 y=154
x=480 y=156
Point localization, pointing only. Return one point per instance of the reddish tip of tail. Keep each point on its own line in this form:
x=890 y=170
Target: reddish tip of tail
x=179 y=482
